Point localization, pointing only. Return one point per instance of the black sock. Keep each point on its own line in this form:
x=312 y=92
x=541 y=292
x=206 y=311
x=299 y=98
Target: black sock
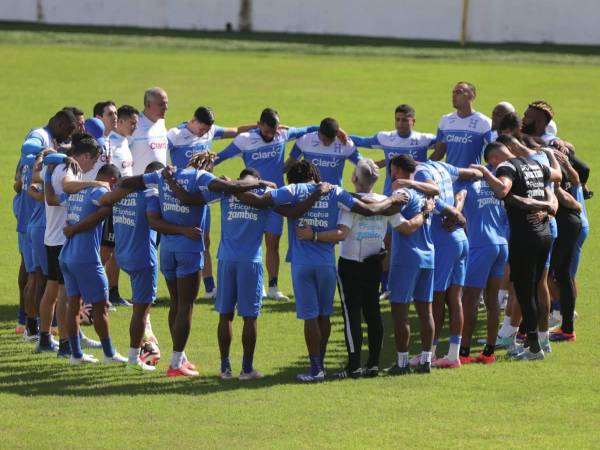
x=488 y=350
x=32 y=326
x=522 y=329
x=44 y=339
x=64 y=346
x=532 y=340
x=273 y=282
x=113 y=292
x=464 y=351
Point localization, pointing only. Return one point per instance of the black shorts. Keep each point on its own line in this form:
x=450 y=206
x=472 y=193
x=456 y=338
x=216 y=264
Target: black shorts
x=108 y=233
x=54 y=272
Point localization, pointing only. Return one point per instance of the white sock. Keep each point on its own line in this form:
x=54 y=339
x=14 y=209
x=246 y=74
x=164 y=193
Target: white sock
x=184 y=356
x=453 y=352
x=542 y=336
x=501 y=294
x=425 y=357
x=504 y=328
x=402 y=359
x=176 y=360
x=512 y=330
x=134 y=354
x=433 y=347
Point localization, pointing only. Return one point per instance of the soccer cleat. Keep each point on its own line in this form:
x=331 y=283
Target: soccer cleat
x=504 y=342
x=85 y=359
x=274 y=293
x=181 y=372
x=397 y=370
x=561 y=336
x=86 y=342
x=371 y=372
x=52 y=348
x=65 y=355
x=528 y=355
x=211 y=294
x=20 y=329
x=54 y=331
x=384 y=295
x=120 y=302
x=188 y=365
x=414 y=361
x=423 y=368
x=254 y=375
x=310 y=378
x=514 y=350
x=546 y=346
x=555 y=319
x=226 y=374
x=446 y=363
x=464 y=360
x=30 y=338
x=348 y=373
x=114 y=359
x=483 y=359
x=139 y=367
x=521 y=337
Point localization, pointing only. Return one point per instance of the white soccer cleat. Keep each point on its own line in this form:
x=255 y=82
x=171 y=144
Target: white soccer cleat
x=85 y=359
x=254 y=375
x=32 y=339
x=86 y=342
x=211 y=294
x=139 y=367
x=384 y=295
x=275 y=294
x=117 y=358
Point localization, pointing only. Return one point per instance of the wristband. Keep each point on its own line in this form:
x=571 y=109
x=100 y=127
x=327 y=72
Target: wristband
x=315 y=236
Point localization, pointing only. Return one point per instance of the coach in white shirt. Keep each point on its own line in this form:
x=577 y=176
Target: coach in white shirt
x=149 y=141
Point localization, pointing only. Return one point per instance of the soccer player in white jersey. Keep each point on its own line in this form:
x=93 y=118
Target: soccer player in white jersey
x=403 y=140
x=149 y=141
x=117 y=141
x=462 y=134
x=107 y=112
x=196 y=136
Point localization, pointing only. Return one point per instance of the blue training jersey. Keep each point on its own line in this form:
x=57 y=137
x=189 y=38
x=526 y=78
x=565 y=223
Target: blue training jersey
x=26 y=204
x=465 y=137
x=330 y=159
x=242 y=228
x=444 y=175
x=266 y=157
x=577 y=193
x=173 y=211
x=393 y=144
x=38 y=218
x=416 y=249
x=135 y=241
x=542 y=158
x=322 y=216
x=83 y=247
x=183 y=144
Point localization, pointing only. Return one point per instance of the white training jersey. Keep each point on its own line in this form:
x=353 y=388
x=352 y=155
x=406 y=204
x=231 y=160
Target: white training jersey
x=56 y=216
x=120 y=153
x=103 y=159
x=148 y=144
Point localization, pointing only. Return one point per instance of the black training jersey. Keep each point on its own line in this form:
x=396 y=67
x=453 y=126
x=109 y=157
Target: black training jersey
x=528 y=180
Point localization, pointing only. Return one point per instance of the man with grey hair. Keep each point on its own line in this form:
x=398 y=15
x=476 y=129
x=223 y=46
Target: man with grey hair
x=498 y=113
x=149 y=140
x=359 y=273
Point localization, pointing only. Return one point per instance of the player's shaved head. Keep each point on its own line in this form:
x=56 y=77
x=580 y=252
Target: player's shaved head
x=498 y=113
x=496 y=153
x=62 y=125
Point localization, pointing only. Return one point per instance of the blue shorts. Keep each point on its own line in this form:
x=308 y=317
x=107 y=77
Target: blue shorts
x=407 y=283
x=26 y=252
x=485 y=263
x=144 y=284
x=87 y=280
x=450 y=265
x=314 y=289
x=547 y=264
x=205 y=222
x=583 y=234
x=241 y=284
x=180 y=264
x=274 y=224
x=38 y=249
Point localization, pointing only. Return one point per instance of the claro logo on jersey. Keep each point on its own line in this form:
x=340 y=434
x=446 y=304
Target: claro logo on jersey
x=456 y=139
x=265 y=154
x=335 y=162
x=158 y=145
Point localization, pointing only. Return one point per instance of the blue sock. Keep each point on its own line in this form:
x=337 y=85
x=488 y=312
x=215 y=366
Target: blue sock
x=247 y=365
x=384 y=281
x=225 y=364
x=21 y=316
x=54 y=321
x=64 y=347
x=107 y=347
x=75 y=343
x=435 y=341
x=315 y=364
x=455 y=339
x=555 y=305
x=209 y=284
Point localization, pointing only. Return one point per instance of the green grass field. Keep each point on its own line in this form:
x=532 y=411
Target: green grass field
x=45 y=403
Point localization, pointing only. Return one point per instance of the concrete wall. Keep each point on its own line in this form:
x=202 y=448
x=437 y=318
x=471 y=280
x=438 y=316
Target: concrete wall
x=557 y=21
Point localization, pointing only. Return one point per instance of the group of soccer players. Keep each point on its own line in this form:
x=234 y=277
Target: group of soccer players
x=503 y=219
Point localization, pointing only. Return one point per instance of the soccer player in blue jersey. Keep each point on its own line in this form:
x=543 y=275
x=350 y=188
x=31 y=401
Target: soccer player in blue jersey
x=312 y=239
x=196 y=136
x=326 y=151
x=462 y=134
x=450 y=260
x=82 y=268
x=263 y=149
x=488 y=255
x=136 y=254
x=182 y=247
x=411 y=270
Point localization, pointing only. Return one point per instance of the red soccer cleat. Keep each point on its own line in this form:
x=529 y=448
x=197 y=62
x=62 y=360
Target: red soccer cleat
x=561 y=336
x=466 y=359
x=181 y=372
x=20 y=329
x=188 y=365
x=481 y=358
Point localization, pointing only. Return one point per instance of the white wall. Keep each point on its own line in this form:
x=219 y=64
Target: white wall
x=557 y=21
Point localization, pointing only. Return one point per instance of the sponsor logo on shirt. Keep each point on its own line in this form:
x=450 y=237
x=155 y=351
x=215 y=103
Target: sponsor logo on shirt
x=467 y=139
x=331 y=164
x=264 y=155
x=160 y=145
